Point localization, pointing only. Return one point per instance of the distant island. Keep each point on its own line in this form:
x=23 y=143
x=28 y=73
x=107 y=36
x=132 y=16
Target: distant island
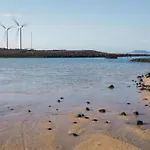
x=140 y=52
x=24 y=53
x=144 y=60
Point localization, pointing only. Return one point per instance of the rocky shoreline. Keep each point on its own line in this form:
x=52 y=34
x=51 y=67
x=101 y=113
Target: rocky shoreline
x=17 y=53
x=146 y=60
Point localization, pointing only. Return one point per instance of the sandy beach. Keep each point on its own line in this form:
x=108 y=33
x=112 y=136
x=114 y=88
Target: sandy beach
x=81 y=129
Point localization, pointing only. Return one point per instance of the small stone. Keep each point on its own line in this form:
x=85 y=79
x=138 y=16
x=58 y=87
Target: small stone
x=11 y=109
x=129 y=86
x=145 y=99
x=123 y=114
x=49 y=106
x=88 y=103
x=139 y=122
x=80 y=115
x=139 y=77
x=141 y=80
x=86 y=117
x=61 y=97
x=49 y=121
x=29 y=111
x=87 y=109
x=136 y=113
x=111 y=86
x=74 y=122
x=94 y=120
x=57 y=109
x=107 y=122
x=128 y=103
x=49 y=128
x=146 y=105
x=74 y=134
x=102 y=110
x=58 y=101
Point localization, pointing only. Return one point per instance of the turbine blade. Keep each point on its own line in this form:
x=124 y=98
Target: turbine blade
x=17 y=32
x=2 y=26
x=10 y=28
x=16 y=22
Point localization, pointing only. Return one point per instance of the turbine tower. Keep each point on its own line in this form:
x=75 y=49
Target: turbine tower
x=20 y=32
x=6 y=33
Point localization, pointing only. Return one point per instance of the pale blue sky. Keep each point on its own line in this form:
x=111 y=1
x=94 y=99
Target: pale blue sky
x=106 y=25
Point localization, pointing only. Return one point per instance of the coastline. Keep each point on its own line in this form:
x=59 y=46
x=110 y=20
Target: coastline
x=24 y=53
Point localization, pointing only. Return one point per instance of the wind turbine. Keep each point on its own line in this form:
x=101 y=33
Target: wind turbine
x=6 y=33
x=20 y=32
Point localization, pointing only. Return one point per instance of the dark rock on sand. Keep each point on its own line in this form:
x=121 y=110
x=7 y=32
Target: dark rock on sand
x=80 y=115
x=102 y=110
x=57 y=109
x=139 y=122
x=61 y=97
x=49 y=121
x=86 y=117
x=88 y=102
x=49 y=106
x=136 y=113
x=58 y=101
x=139 y=77
x=111 y=86
x=75 y=134
x=49 y=128
x=94 y=120
x=123 y=114
x=11 y=109
x=107 y=122
x=87 y=109
x=29 y=111
x=128 y=103
x=74 y=122
x=145 y=99
x=141 y=80
x=146 y=105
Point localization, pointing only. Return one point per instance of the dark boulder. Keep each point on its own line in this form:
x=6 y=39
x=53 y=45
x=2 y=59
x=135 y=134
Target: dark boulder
x=111 y=87
x=139 y=122
x=87 y=109
x=102 y=110
x=136 y=113
x=123 y=114
x=88 y=102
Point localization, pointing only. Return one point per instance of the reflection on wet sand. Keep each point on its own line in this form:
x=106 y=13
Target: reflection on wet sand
x=81 y=128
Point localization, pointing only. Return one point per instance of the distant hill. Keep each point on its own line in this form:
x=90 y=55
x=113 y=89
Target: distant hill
x=140 y=52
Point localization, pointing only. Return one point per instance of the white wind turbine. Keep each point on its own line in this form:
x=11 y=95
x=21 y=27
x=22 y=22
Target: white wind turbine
x=20 y=32
x=6 y=33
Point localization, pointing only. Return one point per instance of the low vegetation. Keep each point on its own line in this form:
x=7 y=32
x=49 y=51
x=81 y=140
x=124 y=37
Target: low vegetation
x=61 y=53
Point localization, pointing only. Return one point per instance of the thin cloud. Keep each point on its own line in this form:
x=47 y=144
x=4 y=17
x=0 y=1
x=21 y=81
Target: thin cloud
x=9 y=14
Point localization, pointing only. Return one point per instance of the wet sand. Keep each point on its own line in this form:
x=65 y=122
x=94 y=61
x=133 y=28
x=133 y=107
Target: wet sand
x=65 y=131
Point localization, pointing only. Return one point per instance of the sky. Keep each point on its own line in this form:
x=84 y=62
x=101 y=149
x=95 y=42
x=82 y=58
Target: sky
x=103 y=25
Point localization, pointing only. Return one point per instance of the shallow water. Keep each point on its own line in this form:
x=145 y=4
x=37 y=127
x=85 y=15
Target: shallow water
x=40 y=80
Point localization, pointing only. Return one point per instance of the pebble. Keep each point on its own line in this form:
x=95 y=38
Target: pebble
x=102 y=110
x=139 y=122
x=136 y=113
x=123 y=114
x=87 y=109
